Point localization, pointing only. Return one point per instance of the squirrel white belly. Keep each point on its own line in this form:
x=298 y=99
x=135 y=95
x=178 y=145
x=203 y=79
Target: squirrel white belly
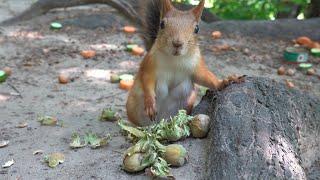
x=174 y=83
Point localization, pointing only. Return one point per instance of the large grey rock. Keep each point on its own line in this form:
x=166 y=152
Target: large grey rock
x=262 y=130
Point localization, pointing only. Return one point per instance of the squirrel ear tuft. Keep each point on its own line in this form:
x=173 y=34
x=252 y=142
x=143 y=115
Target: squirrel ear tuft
x=197 y=11
x=166 y=7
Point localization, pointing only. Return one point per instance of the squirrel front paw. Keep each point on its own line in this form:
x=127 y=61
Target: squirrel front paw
x=150 y=107
x=232 y=79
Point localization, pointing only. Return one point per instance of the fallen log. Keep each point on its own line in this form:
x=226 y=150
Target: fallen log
x=262 y=130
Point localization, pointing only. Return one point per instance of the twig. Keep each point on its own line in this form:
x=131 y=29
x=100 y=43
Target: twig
x=15 y=89
x=117 y=152
x=109 y=96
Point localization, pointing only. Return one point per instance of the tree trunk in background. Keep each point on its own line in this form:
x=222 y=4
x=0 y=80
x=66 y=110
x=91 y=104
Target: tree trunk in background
x=292 y=13
x=314 y=10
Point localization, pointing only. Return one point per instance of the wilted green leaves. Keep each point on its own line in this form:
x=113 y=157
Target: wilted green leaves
x=54 y=159
x=90 y=139
x=76 y=141
x=109 y=114
x=95 y=141
x=149 y=152
x=47 y=120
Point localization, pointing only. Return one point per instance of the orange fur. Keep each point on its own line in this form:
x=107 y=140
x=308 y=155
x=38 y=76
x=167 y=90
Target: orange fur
x=191 y=100
x=145 y=83
x=148 y=79
x=206 y=78
x=143 y=91
x=167 y=75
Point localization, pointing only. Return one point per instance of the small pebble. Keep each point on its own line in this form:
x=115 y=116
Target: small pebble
x=216 y=34
x=289 y=84
x=22 y=125
x=126 y=84
x=246 y=51
x=129 y=29
x=137 y=51
x=129 y=47
x=114 y=78
x=281 y=71
x=3 y=144
x=88 y=54
x=311 y=72
x=63 y=79
x=56 y=25
x=7 y=70
x=291 y=72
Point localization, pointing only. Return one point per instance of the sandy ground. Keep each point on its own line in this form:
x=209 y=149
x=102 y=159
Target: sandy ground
x=37 y=55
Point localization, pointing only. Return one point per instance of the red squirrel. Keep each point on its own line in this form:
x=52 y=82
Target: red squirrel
x=165 y=82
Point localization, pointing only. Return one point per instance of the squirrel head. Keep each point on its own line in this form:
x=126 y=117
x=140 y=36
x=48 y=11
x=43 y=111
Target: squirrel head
x=178 y=30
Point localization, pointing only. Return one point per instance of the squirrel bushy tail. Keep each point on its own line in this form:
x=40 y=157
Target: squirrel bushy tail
x=151 y=21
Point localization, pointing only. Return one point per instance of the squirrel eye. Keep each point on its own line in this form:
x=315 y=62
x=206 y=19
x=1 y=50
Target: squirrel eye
x=162 y=25
x=196 y=29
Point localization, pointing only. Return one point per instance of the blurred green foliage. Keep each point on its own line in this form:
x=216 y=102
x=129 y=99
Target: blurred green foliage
x=253 y=9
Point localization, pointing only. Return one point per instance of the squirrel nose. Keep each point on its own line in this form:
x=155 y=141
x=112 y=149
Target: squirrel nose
x=177 y=44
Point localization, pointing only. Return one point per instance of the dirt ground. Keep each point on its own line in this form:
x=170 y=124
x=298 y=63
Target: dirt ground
x=37 y=55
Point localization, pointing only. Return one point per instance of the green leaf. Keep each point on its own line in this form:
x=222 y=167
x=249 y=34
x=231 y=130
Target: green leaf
x=76 y=141
x=94 y=141
x=160 y=168
x=132 y=130
x=149 y=159
x=149 y=141
x=54 y=159
x=109 y=114
x=126 y=77
x=175 y=129
x=47 y=121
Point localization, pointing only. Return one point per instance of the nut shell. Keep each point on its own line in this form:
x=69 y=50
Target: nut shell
x=114 y=78
x=281 y=71
x=291 y=72
x=216 y=34
x=199 y=126
x=303 y=40
x=7 y=70
x=137 y=51
x=88 y=54
x=175 y=155
x=311 y=72
x=133 y=163
x=129 y=29
x=290 y=84
x=63 y=79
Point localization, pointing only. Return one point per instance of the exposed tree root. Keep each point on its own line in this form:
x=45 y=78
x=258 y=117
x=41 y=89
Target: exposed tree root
x=43 y=6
